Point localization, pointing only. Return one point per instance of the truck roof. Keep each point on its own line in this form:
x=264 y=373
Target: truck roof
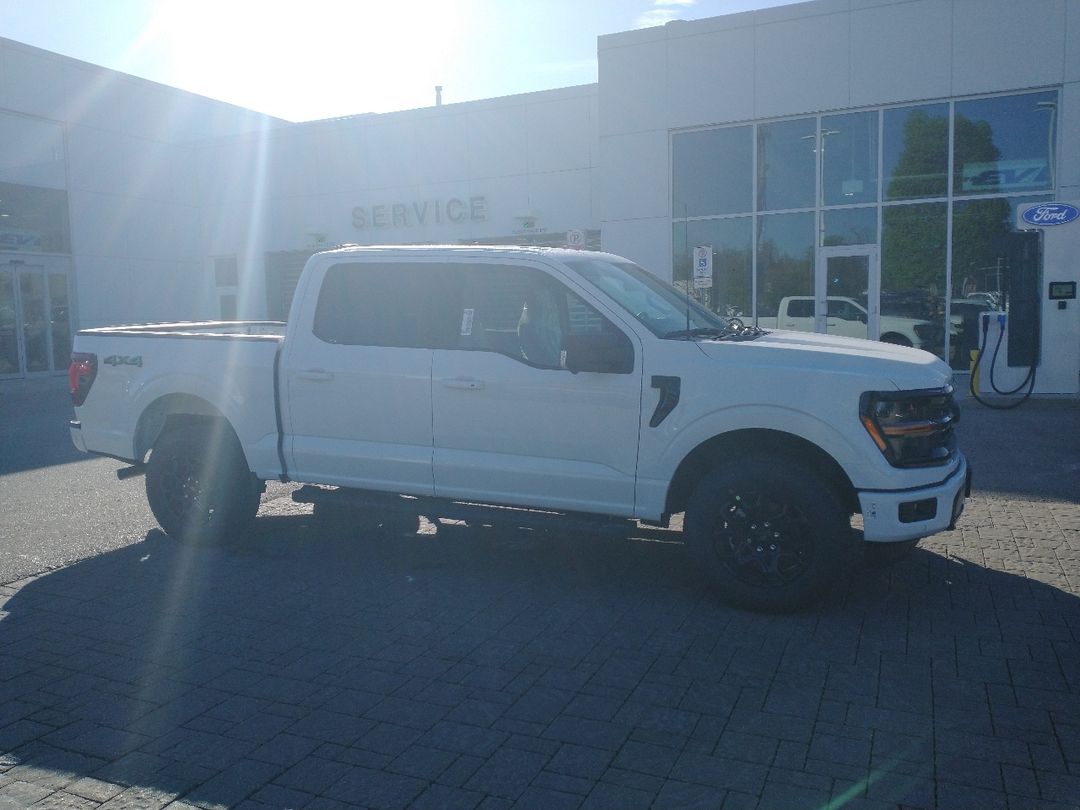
x=467 y=250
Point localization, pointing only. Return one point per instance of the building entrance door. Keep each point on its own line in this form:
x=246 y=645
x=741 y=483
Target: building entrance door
x=35 y=318
x=847 y=291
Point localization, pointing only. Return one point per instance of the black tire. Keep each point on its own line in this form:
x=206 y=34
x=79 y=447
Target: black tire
x=895 y=339
x=198 y=484
x=770 y=534
x=886 y=554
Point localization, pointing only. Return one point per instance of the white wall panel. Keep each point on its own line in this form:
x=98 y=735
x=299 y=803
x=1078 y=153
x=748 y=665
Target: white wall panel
x=100 y=283
x=634 y=82
x=498 y=141
x=884 y=43
x=342 y=156
x=99 y=223
x=507 y=202
x=560 y=134
x=1068 y=154
x=802 y=65
x=35 y=82
x=442 y=148
x=635 y=176
x=564 y=198
x=288 y=223
x=1072 y=42
x=1003 y=44
x=393 y=147
x=644 y=241
x=708 y=78
x=799 y=11
x=292 y=166
x=163 y=230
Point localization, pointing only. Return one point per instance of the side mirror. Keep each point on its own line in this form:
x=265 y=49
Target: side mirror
x=606 y=353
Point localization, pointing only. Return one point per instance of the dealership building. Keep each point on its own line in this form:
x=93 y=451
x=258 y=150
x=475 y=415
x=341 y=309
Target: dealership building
x=886 y=168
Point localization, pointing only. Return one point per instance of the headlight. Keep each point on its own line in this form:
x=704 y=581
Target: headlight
x=911 y=428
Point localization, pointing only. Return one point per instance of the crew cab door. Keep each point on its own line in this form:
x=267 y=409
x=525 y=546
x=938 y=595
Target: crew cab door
x=357 y=377
x=511 y=425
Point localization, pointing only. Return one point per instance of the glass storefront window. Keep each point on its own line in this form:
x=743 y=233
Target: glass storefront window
x=1004 y=144
x=883 y=180
x=712 y=172
x=59 y=320
x=34 y=220
x=786 y=164
x=916 y=152
x=732 y=289
x=980 y=229
x=850 y=226
x=785 y=260
x=849 y=146
x=913 y=259
x=33 y=153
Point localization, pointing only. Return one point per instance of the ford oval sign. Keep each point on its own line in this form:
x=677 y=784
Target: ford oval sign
x=1051 y=214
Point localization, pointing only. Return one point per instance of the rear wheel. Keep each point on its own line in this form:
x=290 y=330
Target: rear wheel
x=770 y=534
x=198 y=484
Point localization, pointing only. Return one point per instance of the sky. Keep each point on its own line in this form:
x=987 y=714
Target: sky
x=316 y=59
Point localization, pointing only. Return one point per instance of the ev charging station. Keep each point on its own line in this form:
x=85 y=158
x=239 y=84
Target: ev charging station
x=1033 y=344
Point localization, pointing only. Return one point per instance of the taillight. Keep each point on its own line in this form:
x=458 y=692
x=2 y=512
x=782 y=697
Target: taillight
x=81 y=374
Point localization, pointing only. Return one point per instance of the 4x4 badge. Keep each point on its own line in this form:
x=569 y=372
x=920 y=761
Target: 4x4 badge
x=123 y=360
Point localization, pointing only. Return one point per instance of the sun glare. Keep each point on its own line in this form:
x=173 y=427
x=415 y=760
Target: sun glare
x=339 y=58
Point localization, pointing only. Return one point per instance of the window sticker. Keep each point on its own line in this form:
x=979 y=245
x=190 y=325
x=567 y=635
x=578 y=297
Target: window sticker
x=467 y=321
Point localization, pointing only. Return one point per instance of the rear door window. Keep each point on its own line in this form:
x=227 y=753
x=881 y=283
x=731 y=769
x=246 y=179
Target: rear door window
x=390 y=304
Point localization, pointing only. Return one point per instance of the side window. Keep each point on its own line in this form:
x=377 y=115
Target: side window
x=393 y=304
x=523 y=313
x=800 y=308
x=844 y=310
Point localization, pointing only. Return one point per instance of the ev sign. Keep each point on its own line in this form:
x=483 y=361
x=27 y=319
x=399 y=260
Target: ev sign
x=703 y=267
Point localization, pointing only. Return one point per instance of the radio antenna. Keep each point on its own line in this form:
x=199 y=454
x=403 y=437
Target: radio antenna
x=689 y=262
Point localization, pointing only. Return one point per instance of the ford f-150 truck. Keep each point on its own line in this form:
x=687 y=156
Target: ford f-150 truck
x=553 y=380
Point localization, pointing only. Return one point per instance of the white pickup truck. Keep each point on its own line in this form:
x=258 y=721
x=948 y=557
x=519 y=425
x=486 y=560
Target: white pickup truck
x=553 y=380
x=847 y=317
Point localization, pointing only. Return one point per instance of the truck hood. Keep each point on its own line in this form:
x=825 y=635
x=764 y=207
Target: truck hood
x=903 y=367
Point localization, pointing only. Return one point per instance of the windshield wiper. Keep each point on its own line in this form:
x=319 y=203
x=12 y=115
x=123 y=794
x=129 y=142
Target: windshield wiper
x=706 y=331
x=735 y=330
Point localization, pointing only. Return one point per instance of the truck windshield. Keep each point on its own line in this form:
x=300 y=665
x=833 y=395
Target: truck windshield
x=659 y=306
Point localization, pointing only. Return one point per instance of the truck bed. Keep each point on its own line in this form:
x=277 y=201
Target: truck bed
x=222 y=368
x=255 y=329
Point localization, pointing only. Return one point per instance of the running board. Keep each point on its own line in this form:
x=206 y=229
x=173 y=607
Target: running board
x=469 y=512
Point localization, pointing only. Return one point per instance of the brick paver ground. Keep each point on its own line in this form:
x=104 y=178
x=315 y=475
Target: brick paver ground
x=464 y=667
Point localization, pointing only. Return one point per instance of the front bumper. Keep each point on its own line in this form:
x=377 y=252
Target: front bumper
x=909 y=514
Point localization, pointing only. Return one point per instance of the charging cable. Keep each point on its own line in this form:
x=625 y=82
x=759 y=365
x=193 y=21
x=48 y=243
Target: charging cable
x=1029 y=379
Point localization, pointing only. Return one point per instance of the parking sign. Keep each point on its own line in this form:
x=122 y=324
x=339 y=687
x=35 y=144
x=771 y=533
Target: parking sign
x=702 y=267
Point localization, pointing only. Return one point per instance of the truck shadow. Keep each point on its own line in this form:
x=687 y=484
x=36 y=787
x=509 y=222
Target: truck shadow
x=324 y=660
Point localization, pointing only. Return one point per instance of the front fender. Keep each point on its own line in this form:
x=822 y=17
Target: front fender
x=662 y=451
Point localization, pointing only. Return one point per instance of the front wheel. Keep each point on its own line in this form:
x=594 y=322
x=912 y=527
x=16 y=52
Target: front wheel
x=198 y=484
x=770 y=535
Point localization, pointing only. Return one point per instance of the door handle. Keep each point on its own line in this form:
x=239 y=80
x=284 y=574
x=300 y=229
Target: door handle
x=315 y=375
x=464 y=383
